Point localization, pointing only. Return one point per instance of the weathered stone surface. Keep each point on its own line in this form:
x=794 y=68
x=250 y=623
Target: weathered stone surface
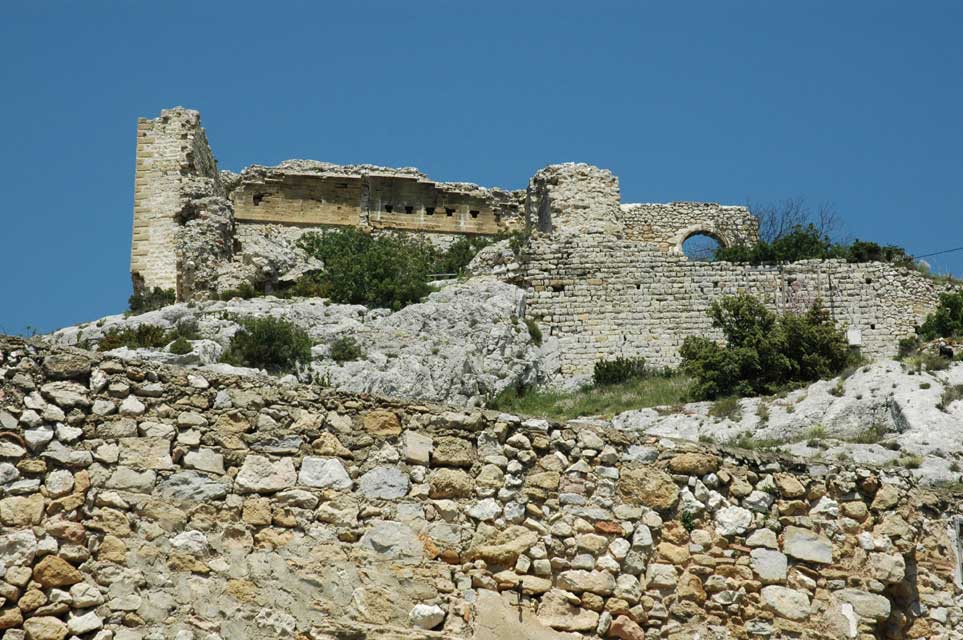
x=732 y=521
x=260 y=474
x=697 y=464
x=146 y=453
x=788 y=603
x=504 y=547
x=558 y=612
x=450 y=483
x=54 y=571
x=190 y=486
x=385 y=482
x=648 y=486
x=867 y=605
x=382 y=423
x=577 y=581
x=807 y=545
x=20 y=511
x=771 y=566
x=426 y=616
x=323 y=473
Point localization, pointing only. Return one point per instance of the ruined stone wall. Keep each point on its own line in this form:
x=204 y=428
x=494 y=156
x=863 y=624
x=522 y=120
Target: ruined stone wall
x=144 y=502
x=171 y=149
x=318 y=194
x=602 y=297
x=667 y=226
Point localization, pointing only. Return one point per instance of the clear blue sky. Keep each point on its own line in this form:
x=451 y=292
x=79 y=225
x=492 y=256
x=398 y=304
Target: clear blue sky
x=857 y=103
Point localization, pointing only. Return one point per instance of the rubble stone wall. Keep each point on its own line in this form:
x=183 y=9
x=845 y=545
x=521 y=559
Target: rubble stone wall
x=603 y=297
x=146 y=502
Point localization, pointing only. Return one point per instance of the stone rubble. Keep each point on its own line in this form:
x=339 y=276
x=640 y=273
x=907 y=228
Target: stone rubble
x=330 y=515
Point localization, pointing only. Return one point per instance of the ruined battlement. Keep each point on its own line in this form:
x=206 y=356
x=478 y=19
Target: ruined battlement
x=176 y=170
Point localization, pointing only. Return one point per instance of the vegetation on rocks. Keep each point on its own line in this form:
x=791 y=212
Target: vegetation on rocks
x=618 y=370
x=764 y=352
x=807 y=242
x=150 y=300
x=947 y=320
x=268 y=343
x=147 y=336
x=380 y=271
x=345 y=349
x=596 y=400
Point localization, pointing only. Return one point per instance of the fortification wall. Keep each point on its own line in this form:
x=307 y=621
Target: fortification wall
x=603 y=297
x=318 y=194
x=667 y=226
x=152 y=502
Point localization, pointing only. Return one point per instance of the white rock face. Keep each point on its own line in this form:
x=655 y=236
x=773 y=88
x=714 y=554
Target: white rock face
x=461 y=345
x=904 y=406
x=323 y=473
x=732 y=520
x=426 y=616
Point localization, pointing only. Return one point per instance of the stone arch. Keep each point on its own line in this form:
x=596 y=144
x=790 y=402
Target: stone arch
x=697 y=230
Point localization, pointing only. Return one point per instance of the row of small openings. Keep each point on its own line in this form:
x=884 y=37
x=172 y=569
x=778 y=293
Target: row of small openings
x=389 y=208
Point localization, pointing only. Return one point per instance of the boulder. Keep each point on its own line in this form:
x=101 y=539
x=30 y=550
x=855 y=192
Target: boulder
x=648 y=486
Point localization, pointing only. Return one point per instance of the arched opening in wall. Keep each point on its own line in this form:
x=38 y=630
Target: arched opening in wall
x=700 y=246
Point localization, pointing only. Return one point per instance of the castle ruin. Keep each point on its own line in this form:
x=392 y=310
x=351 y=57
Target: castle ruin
x=605 y=278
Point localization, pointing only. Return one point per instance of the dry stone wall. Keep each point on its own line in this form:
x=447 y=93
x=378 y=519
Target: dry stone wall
x=602 y=297
x=146 y=502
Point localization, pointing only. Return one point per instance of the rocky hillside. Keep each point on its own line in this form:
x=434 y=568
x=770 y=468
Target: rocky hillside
x=464 y=344
x=884 y=413
x=146 y=501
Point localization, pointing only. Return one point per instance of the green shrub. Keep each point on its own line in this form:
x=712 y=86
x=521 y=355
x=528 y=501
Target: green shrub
x=345 y=349
x=908 y=346
x=947 y=320
x=807 y=242
x=764 y=352
x=534 y=331
x=618 y=370
x=268 y=343
x=245 y=291
x=728 y=407
x=143 y=336
x=384 y=271
x=181 y=346
x=461 y=252
x=150 y=300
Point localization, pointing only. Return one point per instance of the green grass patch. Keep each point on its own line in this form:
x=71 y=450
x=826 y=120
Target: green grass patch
x=605 y=400
x=950 y=395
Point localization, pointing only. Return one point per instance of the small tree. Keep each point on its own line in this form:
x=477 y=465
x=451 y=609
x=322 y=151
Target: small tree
x=947 y=320
x=763 y=352
x=268 y=343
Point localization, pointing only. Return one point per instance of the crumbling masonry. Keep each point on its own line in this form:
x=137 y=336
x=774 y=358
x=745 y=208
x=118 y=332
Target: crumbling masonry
x=605 y=278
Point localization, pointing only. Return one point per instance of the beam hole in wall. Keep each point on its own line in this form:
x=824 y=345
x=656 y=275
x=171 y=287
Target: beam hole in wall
x=473 y=213
x=258 y=198
x=389 y=208
x=558 y=288
x=409 y=209
x=430 y=211
x=700 y=247
x=449 y=211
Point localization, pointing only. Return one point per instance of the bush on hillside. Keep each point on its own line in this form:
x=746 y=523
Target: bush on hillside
x=618 y=370
x=763 y=352
x=147 y=336
x=345 y=349
x=461 y=252
x=150 y=300
x=268 y=343
x=384 y=271
x=947 y=320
